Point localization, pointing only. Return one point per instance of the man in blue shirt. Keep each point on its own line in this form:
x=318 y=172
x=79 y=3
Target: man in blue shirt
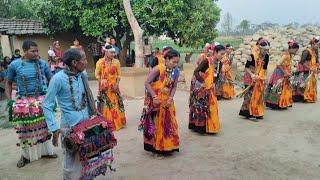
x=31 y=75
x=113 y=44
x=76 y=102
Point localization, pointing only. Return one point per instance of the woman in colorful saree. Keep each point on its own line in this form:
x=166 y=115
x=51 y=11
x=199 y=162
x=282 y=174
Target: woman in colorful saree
x=225 y=84
x=255 y=78
x=203 y=116
x=56 y=63
x=158 y=120
x=279 y=92
x=305 y=81
x=111 y=103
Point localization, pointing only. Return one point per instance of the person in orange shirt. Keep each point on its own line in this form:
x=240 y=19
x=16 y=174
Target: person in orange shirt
x=305 y=80
x=111 y=103
x=279 y=93
x=76 y=44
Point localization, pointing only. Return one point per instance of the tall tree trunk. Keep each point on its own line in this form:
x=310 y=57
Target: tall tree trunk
x=124 y=50
x=137 y=33
x=188 y=57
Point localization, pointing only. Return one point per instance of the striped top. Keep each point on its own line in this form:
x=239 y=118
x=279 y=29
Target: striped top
x=17 y=69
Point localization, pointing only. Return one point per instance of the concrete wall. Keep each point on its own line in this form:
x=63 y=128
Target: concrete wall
x=5 y=46
x=132 y=81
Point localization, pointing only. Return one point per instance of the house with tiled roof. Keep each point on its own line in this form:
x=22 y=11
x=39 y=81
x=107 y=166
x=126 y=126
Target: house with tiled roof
x=14 y=31
x=20 y=27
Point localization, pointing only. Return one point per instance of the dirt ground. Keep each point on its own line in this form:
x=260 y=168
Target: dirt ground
x=284 y=145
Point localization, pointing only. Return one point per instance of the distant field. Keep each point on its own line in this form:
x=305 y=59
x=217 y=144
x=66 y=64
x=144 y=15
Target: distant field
x=235 y=42
x=160 y=44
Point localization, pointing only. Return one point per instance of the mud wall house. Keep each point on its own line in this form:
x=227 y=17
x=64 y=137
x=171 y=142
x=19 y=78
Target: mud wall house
x=14 y=31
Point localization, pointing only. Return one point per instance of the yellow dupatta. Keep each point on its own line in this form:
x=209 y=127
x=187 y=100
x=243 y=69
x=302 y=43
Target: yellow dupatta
x=256 y=106
x=163 y=90
x=285 y=99
x=310 y=93
x=212 y=123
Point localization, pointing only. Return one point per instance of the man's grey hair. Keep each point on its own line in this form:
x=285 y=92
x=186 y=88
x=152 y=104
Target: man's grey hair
x=70 y=55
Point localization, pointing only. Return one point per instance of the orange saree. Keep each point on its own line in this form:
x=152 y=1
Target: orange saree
x=279 y=92
x=159 y=124
x=305 y=81
x=204 y=115
x=227 y=86
x=113 y=108
x=253 y=104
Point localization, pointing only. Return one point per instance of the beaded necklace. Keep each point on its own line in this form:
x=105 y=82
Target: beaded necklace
x=217 y=70
x=106 y=62
x=168 y=75
x=84 y=101
x=259 y=63
x=24 y=79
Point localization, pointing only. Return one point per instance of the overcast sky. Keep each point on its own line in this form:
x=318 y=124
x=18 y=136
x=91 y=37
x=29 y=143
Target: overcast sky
x=275 y=11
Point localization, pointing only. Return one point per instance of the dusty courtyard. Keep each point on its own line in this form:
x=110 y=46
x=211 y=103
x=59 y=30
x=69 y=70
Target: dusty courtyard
x=284 y=145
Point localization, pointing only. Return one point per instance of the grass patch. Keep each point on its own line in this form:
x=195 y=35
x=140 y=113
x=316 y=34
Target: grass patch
x=234 y=42
x=160 y=44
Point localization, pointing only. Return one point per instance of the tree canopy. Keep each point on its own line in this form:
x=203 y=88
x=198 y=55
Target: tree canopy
x=18 y=9
x=189 y=22
x=244 y=26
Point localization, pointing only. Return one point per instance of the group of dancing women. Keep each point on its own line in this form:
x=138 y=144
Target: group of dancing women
x=213 y=80
x=33 y=110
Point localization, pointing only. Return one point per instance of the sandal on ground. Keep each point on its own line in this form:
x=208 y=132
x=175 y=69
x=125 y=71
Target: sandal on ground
x=22 y=162
x=53 y=156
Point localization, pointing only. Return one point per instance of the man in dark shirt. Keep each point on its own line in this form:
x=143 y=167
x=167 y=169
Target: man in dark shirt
x=16 y=55
x=95 y=49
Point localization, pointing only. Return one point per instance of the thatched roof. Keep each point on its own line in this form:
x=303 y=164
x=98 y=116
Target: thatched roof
x=20 y=26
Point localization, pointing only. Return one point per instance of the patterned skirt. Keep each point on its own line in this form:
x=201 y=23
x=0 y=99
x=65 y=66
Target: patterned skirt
x=244 y=111
x=160 y=128
x=304 y=87
x=278 y=94
x=111 y=106
x=30 y=125
x=203 y=116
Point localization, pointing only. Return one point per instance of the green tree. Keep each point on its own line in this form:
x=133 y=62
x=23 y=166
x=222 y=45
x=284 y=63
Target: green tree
x=5 y=8
x=19 y=9
x=245 y=26
x=189 y=22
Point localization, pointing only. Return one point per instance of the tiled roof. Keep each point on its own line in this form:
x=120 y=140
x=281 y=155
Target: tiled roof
x=20 y=26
